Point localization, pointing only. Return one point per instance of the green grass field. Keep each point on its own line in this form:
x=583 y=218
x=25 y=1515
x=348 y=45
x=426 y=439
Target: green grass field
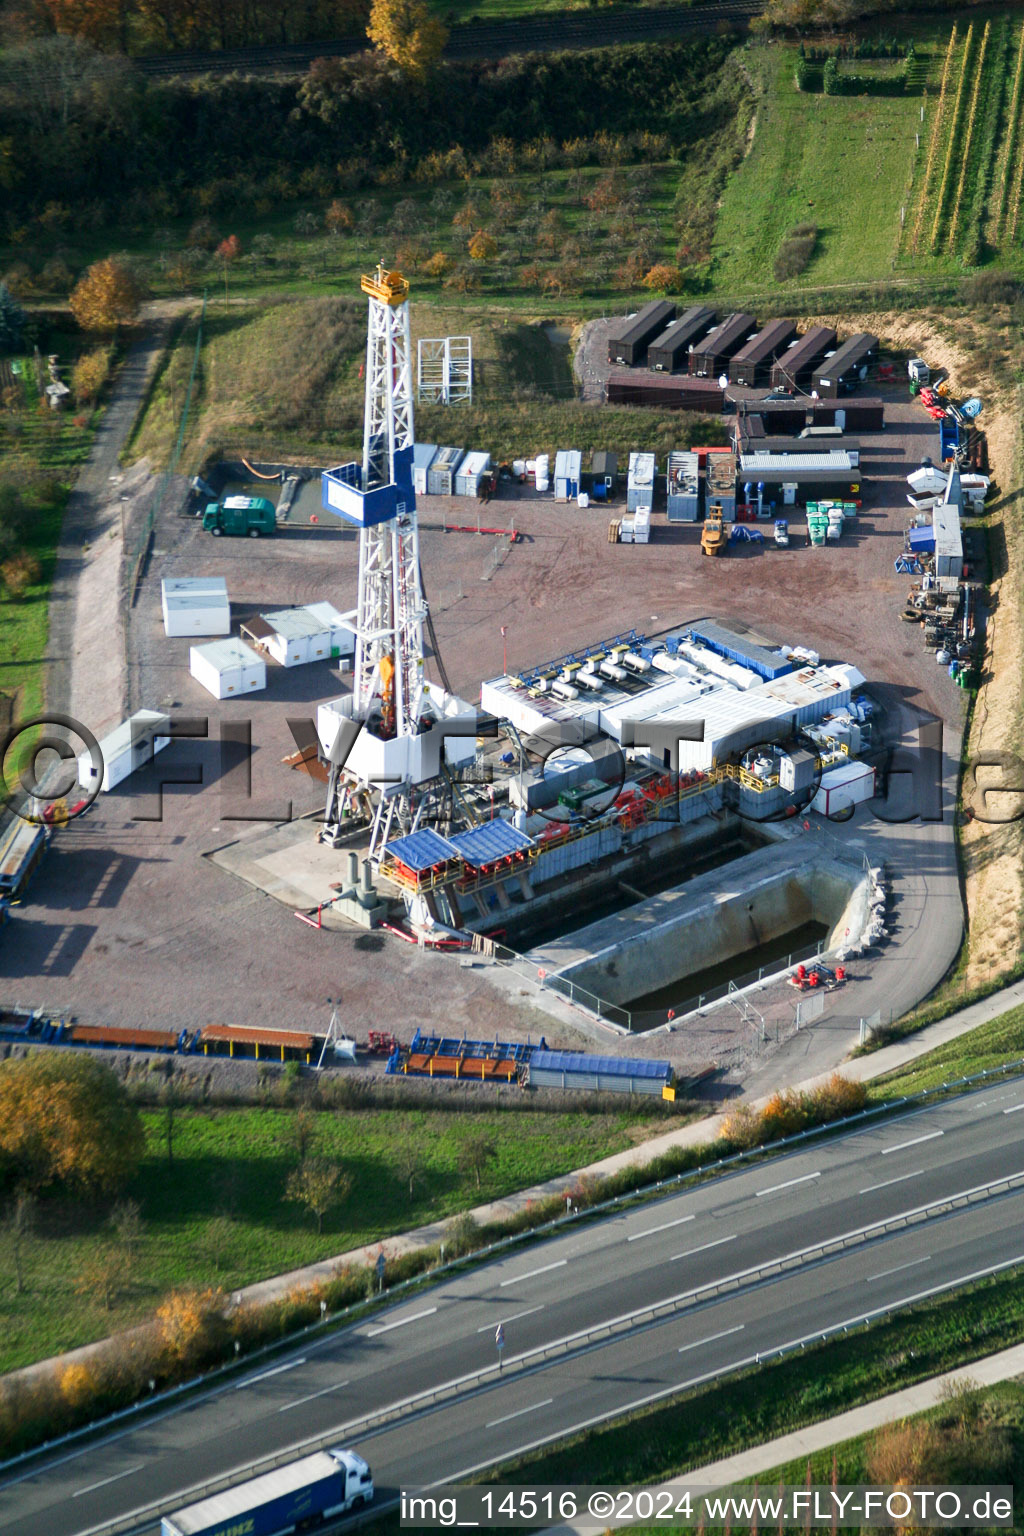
x=40 y=452
x=285 y=379
x=842 y=163
x=218 y=1215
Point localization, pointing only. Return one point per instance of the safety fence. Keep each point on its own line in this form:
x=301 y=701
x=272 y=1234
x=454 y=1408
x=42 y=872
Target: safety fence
x=641 y=1021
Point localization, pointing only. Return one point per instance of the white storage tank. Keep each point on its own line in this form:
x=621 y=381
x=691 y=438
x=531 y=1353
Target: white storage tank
x=195 y=605
x=133 y=743
x=227 y=668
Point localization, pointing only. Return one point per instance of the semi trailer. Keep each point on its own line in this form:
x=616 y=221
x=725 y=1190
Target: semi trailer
x=297 y=1497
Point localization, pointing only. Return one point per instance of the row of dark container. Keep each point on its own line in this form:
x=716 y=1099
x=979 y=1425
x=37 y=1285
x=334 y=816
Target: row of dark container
x=701 y=345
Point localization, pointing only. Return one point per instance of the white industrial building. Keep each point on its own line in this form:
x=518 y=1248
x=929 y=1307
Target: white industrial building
x=195 y=605
x=133 y=743
x=737 y=706
x=227 y=668
x=293 y=637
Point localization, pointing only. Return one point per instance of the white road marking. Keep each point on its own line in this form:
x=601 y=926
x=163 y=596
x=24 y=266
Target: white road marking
x=663 y=1228
x=703 y=1247
x=519 y=1413
x=805 y=1179
x=251 y=1381
x=371 y=1333
x=886 y=1182
x=711 y=1338
x=322 y=1393
x=916 y=1142
x=911 y=1265
x=1013 y=1109
x=103 y=1483
x=543 y=1271
x=489 y=1327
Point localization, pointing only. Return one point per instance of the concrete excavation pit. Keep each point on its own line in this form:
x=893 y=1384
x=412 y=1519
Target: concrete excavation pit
x=723 y=915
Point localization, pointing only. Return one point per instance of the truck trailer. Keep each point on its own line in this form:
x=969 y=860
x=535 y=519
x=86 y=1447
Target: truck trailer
x=240 y=516
x=295 y=1497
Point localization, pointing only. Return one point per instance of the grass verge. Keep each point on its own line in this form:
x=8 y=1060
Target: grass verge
x=217 y=1213
x=983 y=1049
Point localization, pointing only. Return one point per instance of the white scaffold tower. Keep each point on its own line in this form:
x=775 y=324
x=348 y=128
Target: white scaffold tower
x=386 y=758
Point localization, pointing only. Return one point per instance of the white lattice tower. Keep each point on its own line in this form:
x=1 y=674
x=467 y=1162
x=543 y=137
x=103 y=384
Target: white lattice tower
x=391 y=610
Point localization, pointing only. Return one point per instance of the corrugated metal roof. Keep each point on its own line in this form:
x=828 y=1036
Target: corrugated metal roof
x=795 y=463
x=607 y=1066
x=493 y=840
x=422 y=850
x=423 y=455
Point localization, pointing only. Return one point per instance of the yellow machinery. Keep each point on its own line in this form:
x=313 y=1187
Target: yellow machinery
x=386 y=287
x=712 y=535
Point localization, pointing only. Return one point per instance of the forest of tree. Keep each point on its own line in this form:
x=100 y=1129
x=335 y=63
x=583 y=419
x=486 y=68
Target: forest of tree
x=86 y=142
x=141 y=26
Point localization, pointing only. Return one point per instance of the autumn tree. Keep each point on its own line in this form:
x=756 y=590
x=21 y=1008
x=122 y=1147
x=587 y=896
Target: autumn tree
x=228 y=253
x=476 y=1152
x=192 y=1325
x=318 y=1185
x=66 y=1120
x=664 y=279
x=483 y=246
x=89 y=374
x=126 y=1221
x=407 y=1161
x=408 y=34
x=101 y=1275
x=338 y=218
x=106 y=297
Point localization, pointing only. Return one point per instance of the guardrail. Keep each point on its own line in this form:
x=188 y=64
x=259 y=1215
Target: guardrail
x=582 y=1340
x=637 y=1196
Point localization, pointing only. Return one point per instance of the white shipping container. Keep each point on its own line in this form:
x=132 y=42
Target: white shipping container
x=195 y=605
x=227 y=668
x=843 y=787
x=135 y=742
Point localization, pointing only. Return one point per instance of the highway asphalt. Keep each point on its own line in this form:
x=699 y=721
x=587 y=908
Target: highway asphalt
x=719 y=1234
